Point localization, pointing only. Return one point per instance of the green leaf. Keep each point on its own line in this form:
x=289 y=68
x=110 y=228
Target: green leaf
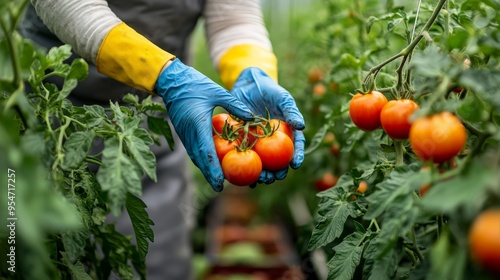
x=381 y=268
x=447 y=262
x=469 y=186
x=472 y=109
x=77 y=270
x=161 y=127
x=332 y=215
x=94 y=115
x=485 y=82
x=400 y=182
x=141 y=223
x=317 y=139
x=79 y=70
x=117 y=250
x=347 y=257
x=74 y=244
x=118 y=174
x=138 y=144
x=398 y=220
x=131 y=99
x=76 y=148
x=57 y=55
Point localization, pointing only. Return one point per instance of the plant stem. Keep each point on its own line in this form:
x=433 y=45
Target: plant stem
x=415 y=245
x=92 y=160
x=15 y=58
x=374 y=222
x=440 y=224
x=398 y=149
x=410 y=254
x=407 y=51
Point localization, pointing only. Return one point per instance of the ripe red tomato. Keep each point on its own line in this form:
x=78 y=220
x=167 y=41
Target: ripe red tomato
x=364 y=110
x=438 y=137
x=275 y=151
x=327 y=181
x=280 y=125
x=395 y=117
x=241 y=168
x=219 y=120
x=335 y=149
x=484 y=240
x=223 y=146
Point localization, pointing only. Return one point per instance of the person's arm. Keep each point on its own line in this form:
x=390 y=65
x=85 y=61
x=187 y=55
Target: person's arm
x=240 y=49
x=121 y=53
x=99 y=36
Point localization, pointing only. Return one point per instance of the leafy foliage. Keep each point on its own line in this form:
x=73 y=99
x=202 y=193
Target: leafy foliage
x=449 y=62
x=53 y=147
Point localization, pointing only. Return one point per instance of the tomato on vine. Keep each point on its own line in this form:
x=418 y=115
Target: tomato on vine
x=365 y=109
x=328 y=180
x=241 y=168
x=275 y=150
x=395 y=116
x=439 y=137
x=223 y=146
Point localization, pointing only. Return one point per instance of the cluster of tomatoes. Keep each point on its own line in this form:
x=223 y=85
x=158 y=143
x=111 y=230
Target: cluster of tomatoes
x=244 y=149
x=437 y=138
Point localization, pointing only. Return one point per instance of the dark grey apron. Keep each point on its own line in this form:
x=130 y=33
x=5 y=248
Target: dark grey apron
x=168 y=24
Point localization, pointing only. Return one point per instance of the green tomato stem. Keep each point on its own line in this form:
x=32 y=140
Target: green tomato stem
x=398 y=149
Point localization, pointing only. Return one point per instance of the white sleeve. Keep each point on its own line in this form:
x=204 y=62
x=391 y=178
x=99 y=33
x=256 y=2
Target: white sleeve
x=234 y=22
x=81 y=23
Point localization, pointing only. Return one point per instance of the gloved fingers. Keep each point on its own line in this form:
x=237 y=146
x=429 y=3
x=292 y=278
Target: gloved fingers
x=234 y=106
x=290 y=112
x=299 y=144
x=266 y=177
x=281 y=175
x=200 y=147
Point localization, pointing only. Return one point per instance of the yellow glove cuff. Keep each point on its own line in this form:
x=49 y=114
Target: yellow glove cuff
x=240 y=57
x=130 y=58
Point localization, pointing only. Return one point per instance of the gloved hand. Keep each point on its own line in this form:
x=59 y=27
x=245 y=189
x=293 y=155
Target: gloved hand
x=258 y=91
x=190 y=98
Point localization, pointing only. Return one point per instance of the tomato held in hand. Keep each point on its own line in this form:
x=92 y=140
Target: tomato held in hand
x=395 y=117
x=484 y=240
x=241 y=168
x=219 y=120
x=438 y=137
x=364 y=110
x=275 y=150
x=223 y=146
x=280 y=125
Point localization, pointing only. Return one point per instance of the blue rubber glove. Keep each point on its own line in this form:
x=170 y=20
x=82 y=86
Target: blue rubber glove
x=258 y=91
x=190 y=98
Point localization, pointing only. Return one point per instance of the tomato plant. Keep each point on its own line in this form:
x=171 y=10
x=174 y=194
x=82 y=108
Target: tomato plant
x=430 y=178
x=241 y=168
x=62 y=203
x=438 y=137
x=365 y=109
x=395 y=117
